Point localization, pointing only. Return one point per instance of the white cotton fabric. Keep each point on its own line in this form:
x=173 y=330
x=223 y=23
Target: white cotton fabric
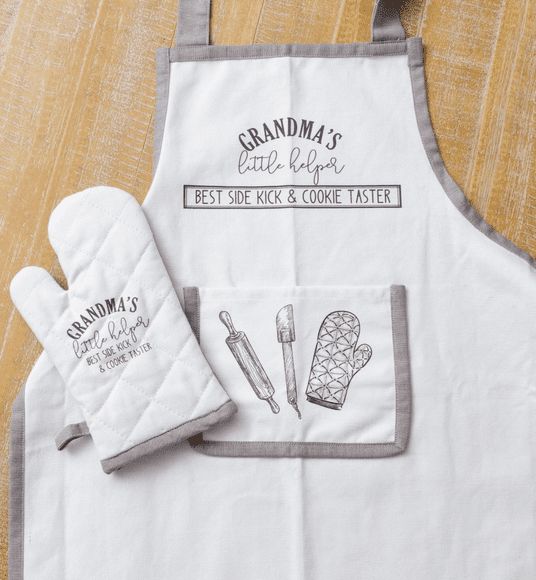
x=458 y=503
x=368 y=412
x=118 y=335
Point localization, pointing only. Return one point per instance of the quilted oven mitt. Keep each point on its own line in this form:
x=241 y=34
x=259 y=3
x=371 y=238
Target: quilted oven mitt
x=336 y=360
x=118 y=335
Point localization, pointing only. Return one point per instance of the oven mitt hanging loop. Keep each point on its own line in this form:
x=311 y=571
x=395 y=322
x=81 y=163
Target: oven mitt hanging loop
x=118 y=336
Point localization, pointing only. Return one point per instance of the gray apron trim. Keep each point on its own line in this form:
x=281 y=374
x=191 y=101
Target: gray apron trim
x=171 y=437
x=162 y=98
x=253 y=51
x=192 y=309
x=455 y=194
x=193 y=24
x=70 y=433
x=386 y=25
x=340 y=450
x=16 y=490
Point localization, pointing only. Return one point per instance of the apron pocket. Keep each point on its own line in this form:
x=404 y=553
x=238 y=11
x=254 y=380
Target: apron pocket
x=314 y=371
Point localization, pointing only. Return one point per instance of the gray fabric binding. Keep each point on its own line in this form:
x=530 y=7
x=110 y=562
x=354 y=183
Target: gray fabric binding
x=386 y=25
x=16 y=490
x=162 y=98
x=192 y=309
x=70 y=433
x=171 y=437
x=402 y=370
x=175 y=435
x=340 y=450
x=253 y=51
x=455 y=194
x=193 y=24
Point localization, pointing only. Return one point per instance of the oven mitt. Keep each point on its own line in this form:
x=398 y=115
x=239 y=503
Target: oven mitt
x=118 y=336
x=336 y=360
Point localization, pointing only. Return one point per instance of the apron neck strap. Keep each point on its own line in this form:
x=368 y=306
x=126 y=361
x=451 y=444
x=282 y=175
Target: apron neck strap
x=193 y=26
x=386 y=25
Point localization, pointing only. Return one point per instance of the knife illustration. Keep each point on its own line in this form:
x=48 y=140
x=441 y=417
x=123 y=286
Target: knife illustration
x=248 y=361
x=286 y=335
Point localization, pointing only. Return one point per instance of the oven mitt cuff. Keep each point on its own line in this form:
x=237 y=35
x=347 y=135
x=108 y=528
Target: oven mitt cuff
x=118 y=336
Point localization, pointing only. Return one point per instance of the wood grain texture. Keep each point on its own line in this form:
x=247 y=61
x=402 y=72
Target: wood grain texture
x=77 y=96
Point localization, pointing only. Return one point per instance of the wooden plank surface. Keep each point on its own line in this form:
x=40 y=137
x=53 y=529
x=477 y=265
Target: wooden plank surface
x=77 y=97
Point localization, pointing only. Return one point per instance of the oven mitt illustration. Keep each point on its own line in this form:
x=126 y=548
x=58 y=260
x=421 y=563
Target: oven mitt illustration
x=336 y=360
x=118 y=336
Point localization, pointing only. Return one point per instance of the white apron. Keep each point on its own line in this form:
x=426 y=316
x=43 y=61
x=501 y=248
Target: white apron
x=375 y=333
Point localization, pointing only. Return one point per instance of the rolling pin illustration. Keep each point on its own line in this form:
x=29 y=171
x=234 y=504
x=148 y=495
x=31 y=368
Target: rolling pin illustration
x=248 y=361
x=286 y=335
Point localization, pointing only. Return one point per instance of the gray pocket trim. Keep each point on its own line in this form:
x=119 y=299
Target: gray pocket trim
x=454 y=193
x=340 y=450
x=16 y=489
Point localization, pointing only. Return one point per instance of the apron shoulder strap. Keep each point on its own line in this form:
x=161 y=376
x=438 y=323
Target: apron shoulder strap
x=386 y=25
x=193 y=25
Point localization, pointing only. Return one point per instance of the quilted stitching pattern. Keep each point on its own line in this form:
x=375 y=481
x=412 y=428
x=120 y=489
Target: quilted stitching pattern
x=337 y=358
x=105 y=244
